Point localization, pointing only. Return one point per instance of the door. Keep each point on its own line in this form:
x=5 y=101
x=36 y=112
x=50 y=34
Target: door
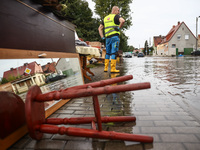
x=176 y=51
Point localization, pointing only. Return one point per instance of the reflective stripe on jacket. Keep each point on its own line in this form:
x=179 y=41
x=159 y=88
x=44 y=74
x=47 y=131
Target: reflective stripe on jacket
x=110 y=25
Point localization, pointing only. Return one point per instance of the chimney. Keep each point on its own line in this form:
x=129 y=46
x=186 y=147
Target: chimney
x=173 y=26
x=178 y=22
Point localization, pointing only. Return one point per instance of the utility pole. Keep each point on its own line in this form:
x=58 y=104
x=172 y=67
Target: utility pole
x=197 y=31
x=149 y=42
x=146 y=49
x=149 y=45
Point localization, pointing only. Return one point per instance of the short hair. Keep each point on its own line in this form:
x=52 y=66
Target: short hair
x=114 y=8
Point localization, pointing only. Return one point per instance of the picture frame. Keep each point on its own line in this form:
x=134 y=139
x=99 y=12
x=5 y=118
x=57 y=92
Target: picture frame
x=16 y=54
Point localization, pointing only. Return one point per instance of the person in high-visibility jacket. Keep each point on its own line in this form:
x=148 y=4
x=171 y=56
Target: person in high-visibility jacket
x=111 y=25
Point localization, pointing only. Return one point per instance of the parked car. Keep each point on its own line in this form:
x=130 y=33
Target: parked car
x=140 y=55
x=195 y=53
x=128 y=55
x=135 y=54
x=54 y=77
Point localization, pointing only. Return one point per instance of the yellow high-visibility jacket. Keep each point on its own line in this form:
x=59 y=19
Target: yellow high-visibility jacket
x=109 y=25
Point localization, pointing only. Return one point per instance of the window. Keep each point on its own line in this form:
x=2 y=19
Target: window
x=21 y=84
x=43 y=78
x=40 y=79
x=173 y=45
x=179 y=37
x=186 y=37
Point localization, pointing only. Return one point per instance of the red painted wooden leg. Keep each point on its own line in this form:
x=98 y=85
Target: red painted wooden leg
x=71 y=131
x=97 y=112
x=85 y=120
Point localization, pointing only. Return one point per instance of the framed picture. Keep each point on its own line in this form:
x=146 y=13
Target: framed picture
x=51 y=71
x=51 y=74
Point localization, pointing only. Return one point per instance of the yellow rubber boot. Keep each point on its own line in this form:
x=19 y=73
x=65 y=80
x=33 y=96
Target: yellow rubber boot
x=106 y=63
x=113 y=66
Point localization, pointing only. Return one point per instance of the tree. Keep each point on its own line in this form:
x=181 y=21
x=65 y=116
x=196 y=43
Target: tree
x=4 y=80
x=146 y=48
x=152 y=49
x=130 y=48
x=79 y=13
x=103 y=8
x=123 y=42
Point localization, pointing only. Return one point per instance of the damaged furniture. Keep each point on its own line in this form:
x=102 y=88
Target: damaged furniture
x=38 y=125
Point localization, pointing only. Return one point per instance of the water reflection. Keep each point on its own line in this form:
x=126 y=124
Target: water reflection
x=114 y=100
x=179 y=70
x=177 y=78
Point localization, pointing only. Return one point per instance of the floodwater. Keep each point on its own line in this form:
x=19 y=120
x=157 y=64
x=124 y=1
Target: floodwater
x=177 y=78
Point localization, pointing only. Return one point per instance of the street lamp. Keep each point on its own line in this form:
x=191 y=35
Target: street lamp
x=197 y=30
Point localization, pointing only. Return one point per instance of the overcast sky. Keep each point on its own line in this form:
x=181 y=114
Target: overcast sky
x=155 y=17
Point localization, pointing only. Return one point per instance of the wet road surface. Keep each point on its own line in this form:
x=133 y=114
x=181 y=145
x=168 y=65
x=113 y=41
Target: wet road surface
x=176 y=78
x=168 y=111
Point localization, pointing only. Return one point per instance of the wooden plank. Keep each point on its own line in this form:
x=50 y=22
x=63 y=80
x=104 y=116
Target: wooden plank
x=19 y=133
x=6 y=53
x=27 y=25
x=12 y=138
x=20 y=54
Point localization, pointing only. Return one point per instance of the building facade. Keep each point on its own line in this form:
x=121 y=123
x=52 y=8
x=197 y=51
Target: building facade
x=25 y=79
x=156 y=40
x=179 y=40
x=23 y=84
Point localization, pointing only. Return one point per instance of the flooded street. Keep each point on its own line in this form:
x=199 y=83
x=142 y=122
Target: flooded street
x=168 y=111
x=176 y=78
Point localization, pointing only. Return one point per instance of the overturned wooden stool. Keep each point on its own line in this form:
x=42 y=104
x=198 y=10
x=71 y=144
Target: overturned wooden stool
x=37 y=124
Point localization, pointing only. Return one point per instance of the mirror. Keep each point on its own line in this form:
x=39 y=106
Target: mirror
x=18 y=75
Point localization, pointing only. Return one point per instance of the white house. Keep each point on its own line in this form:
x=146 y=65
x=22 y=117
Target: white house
x=71 y=68
x=179 y=40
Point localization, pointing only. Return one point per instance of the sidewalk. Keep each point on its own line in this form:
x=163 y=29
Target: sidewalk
x=172 y=127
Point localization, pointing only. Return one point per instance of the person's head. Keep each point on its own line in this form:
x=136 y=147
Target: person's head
x=115 y=10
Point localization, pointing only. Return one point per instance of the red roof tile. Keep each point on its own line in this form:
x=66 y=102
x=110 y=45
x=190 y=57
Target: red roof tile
x=157 y=40
x=49 y=67
x=173 y=31
x=19 y=71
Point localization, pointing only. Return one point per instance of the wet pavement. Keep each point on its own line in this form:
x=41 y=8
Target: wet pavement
x=169 y=111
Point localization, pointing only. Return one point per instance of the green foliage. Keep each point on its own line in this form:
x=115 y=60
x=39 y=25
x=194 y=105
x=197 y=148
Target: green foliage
x=148 y=49
x=152 y=49
x=79 y=13
x=124 y=45
x=130 y=48
x=103 y=8
x=4 y=80
x=12 y=78
x=123 y=42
